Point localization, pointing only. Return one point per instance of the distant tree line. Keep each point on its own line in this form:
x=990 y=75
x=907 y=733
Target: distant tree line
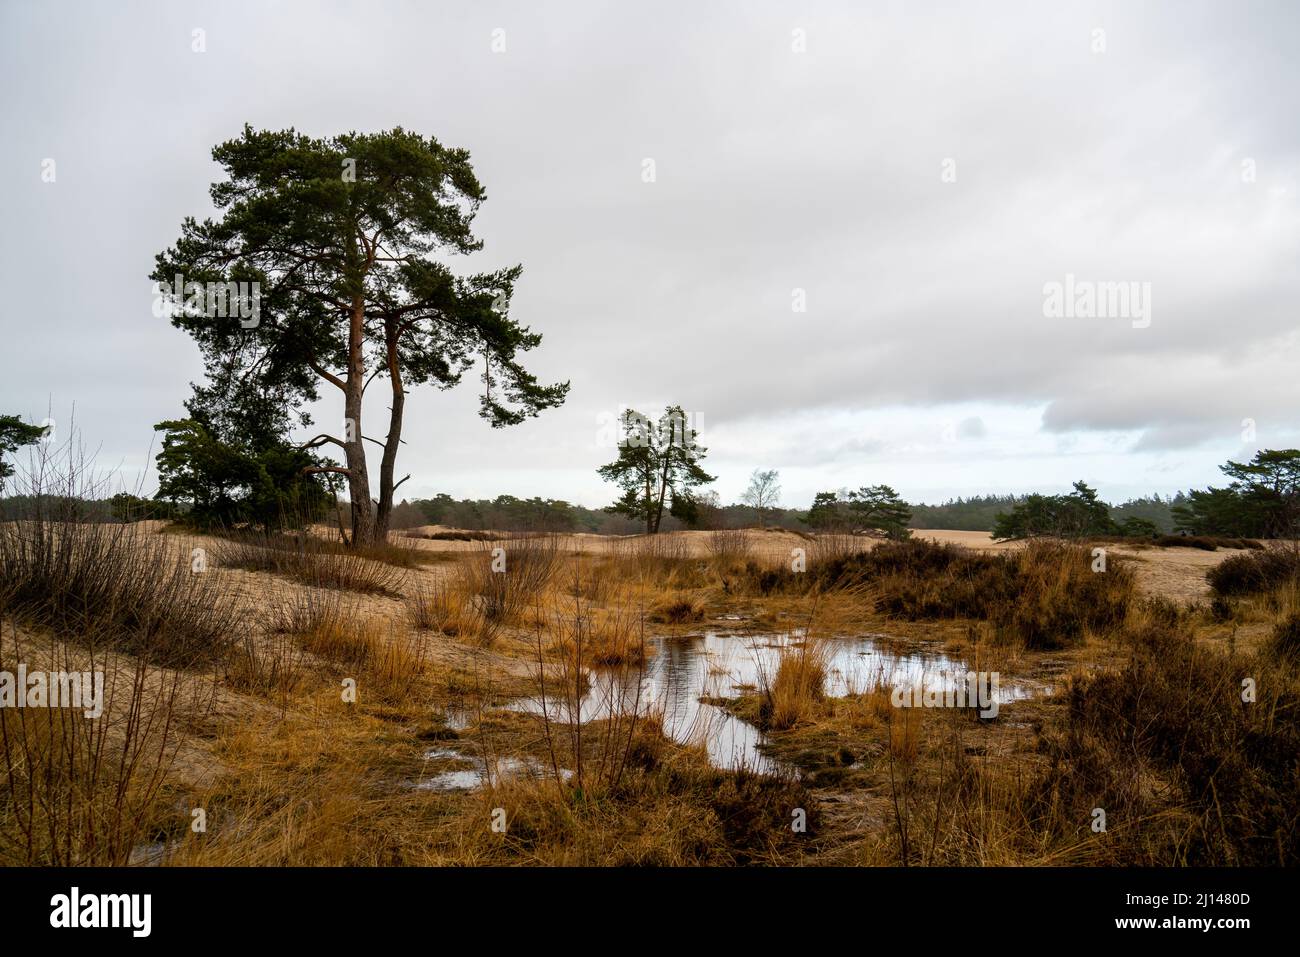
x=508 y=513
x=1080 y=513
x=979 y=513
x=1261 y=501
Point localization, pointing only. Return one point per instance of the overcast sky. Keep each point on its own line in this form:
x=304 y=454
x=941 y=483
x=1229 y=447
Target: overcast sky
x=920 y=171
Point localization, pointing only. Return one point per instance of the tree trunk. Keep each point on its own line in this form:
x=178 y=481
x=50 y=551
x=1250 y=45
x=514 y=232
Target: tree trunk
x=394 y=439
x=363 y=525
x=663 y=490
x=649 y=511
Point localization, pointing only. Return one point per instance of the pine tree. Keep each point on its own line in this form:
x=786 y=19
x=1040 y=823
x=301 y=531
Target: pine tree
x=657 y=465
x=327 y=252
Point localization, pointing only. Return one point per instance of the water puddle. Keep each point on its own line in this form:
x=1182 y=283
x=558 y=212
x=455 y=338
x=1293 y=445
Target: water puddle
x=477 y=774
x=679 y=671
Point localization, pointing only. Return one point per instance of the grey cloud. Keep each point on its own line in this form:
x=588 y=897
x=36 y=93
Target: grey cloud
x=776 y=171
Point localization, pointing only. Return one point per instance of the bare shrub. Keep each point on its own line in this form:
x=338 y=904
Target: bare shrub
x=79 y=790
x=729 y=545
x=593 y=738
x=310 y=560
x=509 y=575
x=1259 y=571
x=114 y=584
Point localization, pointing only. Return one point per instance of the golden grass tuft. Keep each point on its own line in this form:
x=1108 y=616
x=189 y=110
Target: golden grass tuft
x=797 y=691
x=388 y=663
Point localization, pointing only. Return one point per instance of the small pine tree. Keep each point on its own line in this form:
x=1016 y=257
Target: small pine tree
x=657 y=466
x=879 y=507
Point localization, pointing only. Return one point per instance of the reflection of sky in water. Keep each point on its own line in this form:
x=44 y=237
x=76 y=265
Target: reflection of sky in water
x=679 y=671
x=466 y=779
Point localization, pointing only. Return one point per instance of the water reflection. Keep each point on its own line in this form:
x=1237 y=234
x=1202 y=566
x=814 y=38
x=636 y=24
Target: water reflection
x=679 y=671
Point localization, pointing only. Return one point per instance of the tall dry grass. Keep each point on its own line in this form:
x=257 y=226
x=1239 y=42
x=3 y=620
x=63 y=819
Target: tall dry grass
x=308 y=559
x=796 y=691
x=728 y=546
x=386 y=663
x=836 y=546
x=271 y=666
x=507 y=577
x=577 y=645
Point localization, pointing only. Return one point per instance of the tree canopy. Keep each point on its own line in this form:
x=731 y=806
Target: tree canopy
x=871 y=506
x=657 y=465
x=1077 y=514
x=1262 y=501
x=223 y=483
x=336 y=242
x=14 y=434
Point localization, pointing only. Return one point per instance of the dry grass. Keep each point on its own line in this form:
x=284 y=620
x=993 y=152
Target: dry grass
x=85 y=790
x=670 y=810
x=273 y=667
x=828 y=547
x=437 y=607
x=509 y=576
x=904 y=726
x=1043 y=595
x=384 y=663
x=616 y=637
x=660 y=559
x=677 y=611
x=599 y=760
x=312 y=561
x=1150 y=725
x=727 y=546
x=797 y=691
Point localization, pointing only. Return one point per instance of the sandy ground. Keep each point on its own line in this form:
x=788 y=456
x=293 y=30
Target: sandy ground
x=1176 y=573
x=209 y=706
